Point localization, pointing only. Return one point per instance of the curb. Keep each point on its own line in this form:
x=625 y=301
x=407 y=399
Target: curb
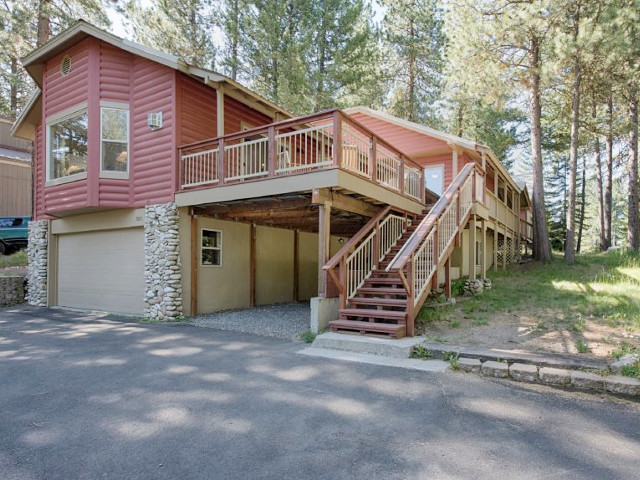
x=554 y=377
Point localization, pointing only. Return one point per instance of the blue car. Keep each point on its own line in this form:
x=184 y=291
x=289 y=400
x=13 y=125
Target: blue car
x=13 y=234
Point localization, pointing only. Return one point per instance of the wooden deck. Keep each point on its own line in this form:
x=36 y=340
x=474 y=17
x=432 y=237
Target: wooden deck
x=324 y=141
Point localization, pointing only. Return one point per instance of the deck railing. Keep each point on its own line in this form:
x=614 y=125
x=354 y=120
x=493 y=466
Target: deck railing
x=324 y=140
x=501 y=212
x=526 y=230
x=418 y=260
x=357 y=259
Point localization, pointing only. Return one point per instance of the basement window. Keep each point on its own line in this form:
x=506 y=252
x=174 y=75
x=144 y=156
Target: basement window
x=211 y=248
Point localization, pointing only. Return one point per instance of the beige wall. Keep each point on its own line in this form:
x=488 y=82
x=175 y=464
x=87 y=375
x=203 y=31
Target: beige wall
x=221 y=288
x=15 y=189
x=227 y=287
x=461 y=255
x=274 y=265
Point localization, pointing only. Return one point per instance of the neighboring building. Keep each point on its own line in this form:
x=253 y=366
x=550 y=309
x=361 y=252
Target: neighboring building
x=163 y=189
x=15 y=173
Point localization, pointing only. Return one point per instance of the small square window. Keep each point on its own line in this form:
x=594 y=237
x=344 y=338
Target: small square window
x=211 y=248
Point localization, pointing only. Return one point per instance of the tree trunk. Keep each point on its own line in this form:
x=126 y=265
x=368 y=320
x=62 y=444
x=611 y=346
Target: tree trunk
x=608 y=175
x=632 y=173
x=44 y=22
x=235 y=40
x=541 y=246
x=570 y=246
x=598 y=163
x=583 y=194
x=13 y=89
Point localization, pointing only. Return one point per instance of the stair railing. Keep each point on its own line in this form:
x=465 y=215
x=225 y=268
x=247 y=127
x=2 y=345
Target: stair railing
x=433 y=240
x=362 y=254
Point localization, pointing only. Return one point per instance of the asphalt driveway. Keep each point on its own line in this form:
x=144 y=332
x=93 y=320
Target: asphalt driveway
x=89 y=397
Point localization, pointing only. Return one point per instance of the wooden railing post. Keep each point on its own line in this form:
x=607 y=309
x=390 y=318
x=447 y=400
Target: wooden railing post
x=272 y=151
x=372 y=159
x=343 y=280
x=181 y=170
x=337 y=138
x=222 y=164
x=422 y=187
x=376 y=246
x=411 y=314
x=401 y=176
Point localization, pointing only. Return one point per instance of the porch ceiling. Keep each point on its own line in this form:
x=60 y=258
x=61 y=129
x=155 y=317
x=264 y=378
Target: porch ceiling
x=286 y=211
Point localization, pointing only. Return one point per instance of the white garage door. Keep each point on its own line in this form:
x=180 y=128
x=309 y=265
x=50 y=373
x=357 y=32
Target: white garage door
x=102 y=270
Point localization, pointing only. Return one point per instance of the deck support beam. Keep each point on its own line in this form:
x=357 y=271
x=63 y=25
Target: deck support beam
x=252 y=265
x=447 y=277
x=220 y=111
x=194 y=263
x=343 y=202
x=296 y=265
x=504 y=249
x=472 y=247
x=483 y=260
x=324 y=243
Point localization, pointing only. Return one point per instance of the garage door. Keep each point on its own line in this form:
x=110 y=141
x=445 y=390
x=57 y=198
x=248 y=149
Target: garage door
x=102 y=270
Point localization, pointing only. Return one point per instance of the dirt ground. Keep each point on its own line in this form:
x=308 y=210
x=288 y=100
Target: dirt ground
x=533 y=332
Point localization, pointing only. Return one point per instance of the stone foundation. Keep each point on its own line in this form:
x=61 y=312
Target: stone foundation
x=11 y=290
x=163 y=280
x=37 y=252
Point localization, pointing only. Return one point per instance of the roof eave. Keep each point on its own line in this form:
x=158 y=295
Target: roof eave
x=25 y=125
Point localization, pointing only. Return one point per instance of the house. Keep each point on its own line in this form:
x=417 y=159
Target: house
x=15 y=173
x=163 y=189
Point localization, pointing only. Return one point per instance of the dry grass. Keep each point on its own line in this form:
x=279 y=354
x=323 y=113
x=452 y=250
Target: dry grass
x=590 y=308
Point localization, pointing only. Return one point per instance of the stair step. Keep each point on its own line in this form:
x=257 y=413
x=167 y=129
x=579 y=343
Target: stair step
x=396 y=331
x=369 y=313
x=383 y=281
x=379 y=302
x=382 y=291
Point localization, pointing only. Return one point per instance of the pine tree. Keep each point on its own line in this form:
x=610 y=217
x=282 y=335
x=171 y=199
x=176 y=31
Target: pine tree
x=30 y=23
x=184 y=29
x=414 y=46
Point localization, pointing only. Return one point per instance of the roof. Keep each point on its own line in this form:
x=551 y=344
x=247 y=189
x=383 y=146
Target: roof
x=34 y=61
x=448 y=139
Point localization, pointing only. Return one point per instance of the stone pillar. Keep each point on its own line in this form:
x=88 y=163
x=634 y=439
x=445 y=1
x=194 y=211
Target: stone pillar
x=162 y=270
x=38 y=255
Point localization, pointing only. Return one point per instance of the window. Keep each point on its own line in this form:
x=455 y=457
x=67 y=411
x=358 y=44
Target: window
x=67 y=146
x=114 y=139
x=434 y=178
x=478 y=254
x=211 y=248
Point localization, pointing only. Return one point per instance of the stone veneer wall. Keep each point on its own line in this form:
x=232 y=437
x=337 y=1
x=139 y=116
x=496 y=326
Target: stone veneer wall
x=163 y=281
x=11 y=290
x=37 y=253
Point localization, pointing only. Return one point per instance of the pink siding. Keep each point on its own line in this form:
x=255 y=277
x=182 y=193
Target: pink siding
x=70 y=90
x=115 y=73
x=235 y=113
x=153 y=156
x=198 y=118
x=409 y=142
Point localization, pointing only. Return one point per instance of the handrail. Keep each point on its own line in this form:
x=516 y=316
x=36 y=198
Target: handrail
x=357 y=238
x=430 y=220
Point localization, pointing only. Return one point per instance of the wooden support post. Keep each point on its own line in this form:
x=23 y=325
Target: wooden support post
x=337 y=138
x=324 y=242
x=296 y=265
x=222 y=163
x=372 y=159
x=411 y=314
x=447 y=278
x=195 y=250
x=272 y=153
x=483 y=260
x=504 y=249
x=472 y=247
x=454 y=161
x=220 y=111
x=495 y=245
x=252 y=265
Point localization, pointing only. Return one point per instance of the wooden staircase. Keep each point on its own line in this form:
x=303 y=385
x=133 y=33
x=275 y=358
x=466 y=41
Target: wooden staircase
x=380 y=304
x=386 y=271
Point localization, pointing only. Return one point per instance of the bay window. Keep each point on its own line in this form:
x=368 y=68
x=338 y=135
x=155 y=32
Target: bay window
x=67 y=145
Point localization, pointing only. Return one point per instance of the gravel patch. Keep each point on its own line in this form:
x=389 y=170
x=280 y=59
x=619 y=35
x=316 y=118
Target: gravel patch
x=286 y=321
